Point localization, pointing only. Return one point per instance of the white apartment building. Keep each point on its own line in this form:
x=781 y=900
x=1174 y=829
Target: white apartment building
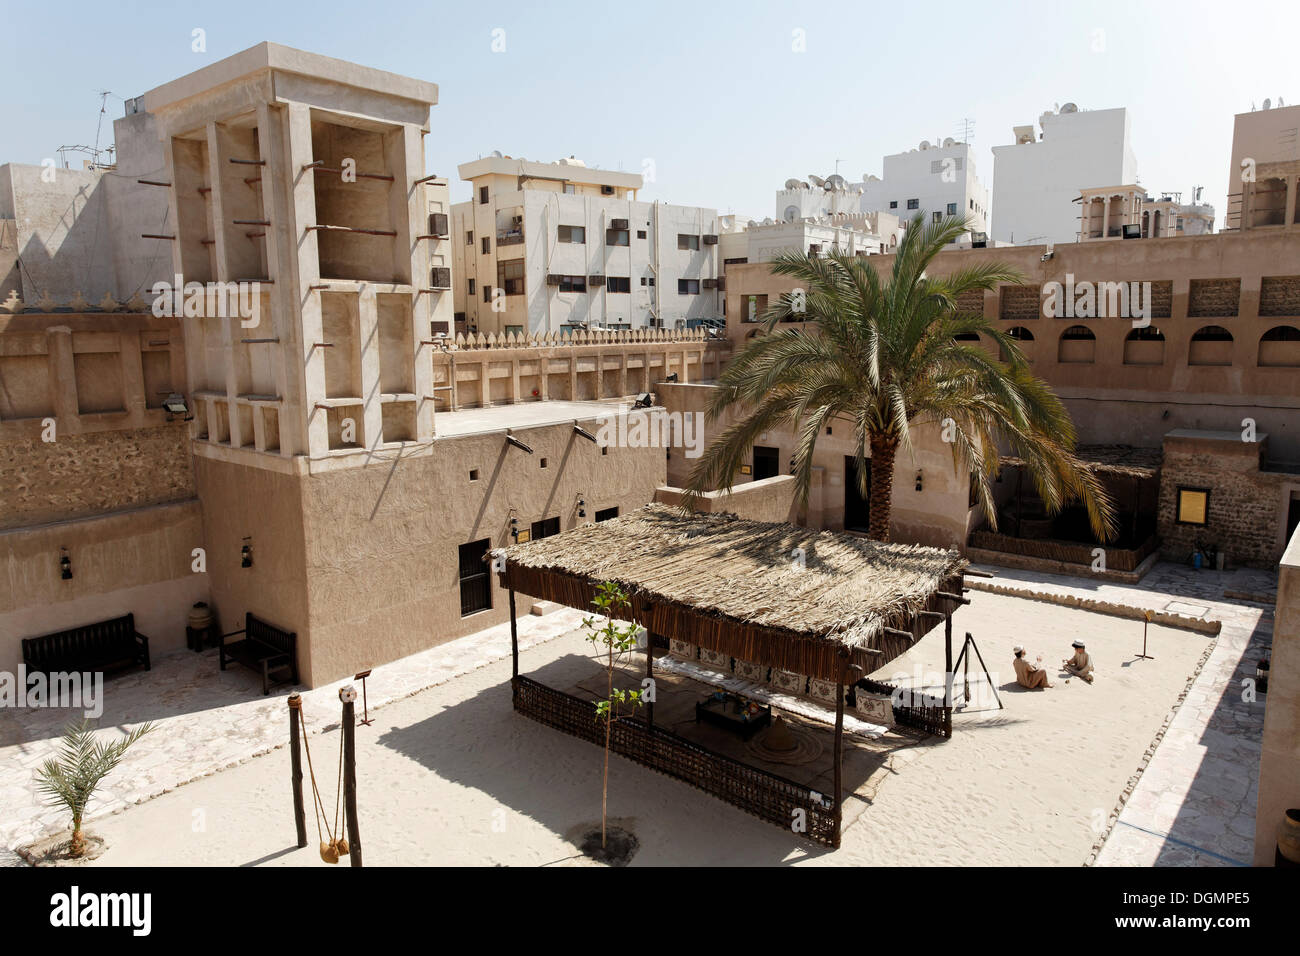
x=937 y=179
x=856 y=234
x=816 y=198
x=542 y=247
x=1036 y=181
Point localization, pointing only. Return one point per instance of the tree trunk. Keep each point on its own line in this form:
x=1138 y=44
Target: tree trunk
x=78 y=844
x=609 y=716
x=882 y=487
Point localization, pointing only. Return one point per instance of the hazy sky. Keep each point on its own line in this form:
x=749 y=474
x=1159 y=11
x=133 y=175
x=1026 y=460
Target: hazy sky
x=715 y=95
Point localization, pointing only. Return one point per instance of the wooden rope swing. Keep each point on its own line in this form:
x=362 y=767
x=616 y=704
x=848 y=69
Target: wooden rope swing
x=345 y=796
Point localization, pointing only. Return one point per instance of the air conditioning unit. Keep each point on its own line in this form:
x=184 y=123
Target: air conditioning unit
x=722 y=283
x=438 y=225
x=618 y=224
x=553 y=279
x=710 y=240
x=595 y=281
x=710 y=283
x=440 y=277
x=607 y=190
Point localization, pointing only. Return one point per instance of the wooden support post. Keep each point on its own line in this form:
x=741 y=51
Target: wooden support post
x=349 y=695
x=947 y=659
x=295 y=769
x=650 y=675
x=514 y=636
x=839 y=760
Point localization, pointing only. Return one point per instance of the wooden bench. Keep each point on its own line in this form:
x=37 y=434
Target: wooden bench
x=102 y=646
x=265 y=648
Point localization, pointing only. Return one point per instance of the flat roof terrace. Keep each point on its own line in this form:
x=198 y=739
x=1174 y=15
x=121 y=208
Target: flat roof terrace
x=497 y=418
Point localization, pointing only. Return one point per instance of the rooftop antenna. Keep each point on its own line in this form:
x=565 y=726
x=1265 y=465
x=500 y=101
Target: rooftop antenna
x=967 y=130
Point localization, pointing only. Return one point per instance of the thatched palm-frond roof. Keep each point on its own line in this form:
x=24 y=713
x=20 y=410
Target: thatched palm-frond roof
x=735 y=585
x=1128 y=460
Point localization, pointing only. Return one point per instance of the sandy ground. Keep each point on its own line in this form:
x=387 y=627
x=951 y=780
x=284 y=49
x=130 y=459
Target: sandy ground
x=453 y=776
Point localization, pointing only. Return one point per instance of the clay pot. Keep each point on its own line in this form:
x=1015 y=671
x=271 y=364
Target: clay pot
x=200 y=616
x=1288 y=836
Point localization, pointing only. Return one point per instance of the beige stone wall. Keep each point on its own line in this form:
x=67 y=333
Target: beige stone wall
x=382 y=541
x=1116 y=396
x=130 y=561
x=1279 y=761
x=585 y=367
x=239 y=501
x=770 y=499
x=95 y=473
x=1248 y=506
x=937 y=515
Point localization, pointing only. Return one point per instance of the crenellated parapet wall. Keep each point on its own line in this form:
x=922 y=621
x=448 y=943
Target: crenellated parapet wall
x=485 y=370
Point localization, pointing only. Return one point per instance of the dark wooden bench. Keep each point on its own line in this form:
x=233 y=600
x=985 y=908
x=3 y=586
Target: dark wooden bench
x=265 y=648
x=102 y=646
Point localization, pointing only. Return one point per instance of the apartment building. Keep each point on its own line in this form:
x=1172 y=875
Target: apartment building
x=1037 y=179
x=1264 y=177
x=545 y=247
x=937 y=179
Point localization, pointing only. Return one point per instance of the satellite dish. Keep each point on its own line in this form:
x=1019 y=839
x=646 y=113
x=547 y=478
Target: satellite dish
x=925 y=144
x=835 y=181
x=496 y=153
x=792 y=184
x=817 y=180
x=949 y=142
x=1070 y=108
x=1268 y=104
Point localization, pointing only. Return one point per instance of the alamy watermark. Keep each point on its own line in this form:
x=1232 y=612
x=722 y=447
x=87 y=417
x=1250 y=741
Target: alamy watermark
x=75 y=689
x=652 y=428
x=1098 y=300
x=222 y=300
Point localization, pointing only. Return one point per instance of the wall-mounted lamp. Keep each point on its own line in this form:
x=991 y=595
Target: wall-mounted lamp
x=514 y=529
x=174 y=404
x=582 y=507
x=65 y=564
x=246 y=554
x=918 y=480
x=644 y=400
x=671 y=378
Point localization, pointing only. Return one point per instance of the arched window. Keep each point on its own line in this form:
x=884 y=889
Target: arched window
x=1279 y=347
x=791 y=213
x=966 y=337
x=1144 y=346
x=1210 y=345
x=1021 y=335
x=1077 y=345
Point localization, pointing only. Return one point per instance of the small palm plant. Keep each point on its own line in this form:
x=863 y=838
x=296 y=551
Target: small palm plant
x=71 y=780
x=613 y=640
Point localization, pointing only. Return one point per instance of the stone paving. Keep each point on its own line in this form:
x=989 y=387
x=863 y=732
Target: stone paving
x=208 y=720
x=1194 y=802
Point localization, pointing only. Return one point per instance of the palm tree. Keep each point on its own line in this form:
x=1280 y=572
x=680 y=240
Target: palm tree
x=71 y=780
x=887 y=355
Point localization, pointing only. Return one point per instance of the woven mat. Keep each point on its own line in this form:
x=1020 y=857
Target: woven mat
x=766 y=695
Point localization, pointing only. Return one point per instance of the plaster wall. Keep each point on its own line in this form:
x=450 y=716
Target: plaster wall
x=1279 y=760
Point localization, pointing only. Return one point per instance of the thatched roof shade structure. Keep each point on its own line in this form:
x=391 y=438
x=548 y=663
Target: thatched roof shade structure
x=1127 y=460
x=735 y=586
